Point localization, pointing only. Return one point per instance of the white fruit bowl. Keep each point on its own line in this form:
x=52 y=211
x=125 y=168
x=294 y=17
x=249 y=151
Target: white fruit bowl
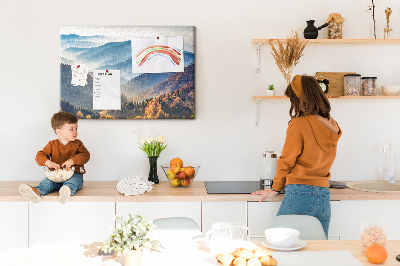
x=282 y=237
x=60 y=175
x=391 y=90
x=181 y=181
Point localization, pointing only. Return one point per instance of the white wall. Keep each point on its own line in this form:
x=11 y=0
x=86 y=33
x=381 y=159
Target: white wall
x=223 y=137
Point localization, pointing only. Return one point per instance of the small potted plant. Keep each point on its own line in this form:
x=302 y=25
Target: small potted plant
x=271 y=90
x=129 y=238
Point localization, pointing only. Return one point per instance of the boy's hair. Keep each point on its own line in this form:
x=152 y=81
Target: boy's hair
x=315 y=101
x=62 y=118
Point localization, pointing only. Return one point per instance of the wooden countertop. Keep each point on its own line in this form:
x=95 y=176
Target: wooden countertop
x=105 y=191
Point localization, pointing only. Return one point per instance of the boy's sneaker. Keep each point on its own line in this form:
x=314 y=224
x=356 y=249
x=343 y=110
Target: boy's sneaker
x=30 y=193
x=65 y=192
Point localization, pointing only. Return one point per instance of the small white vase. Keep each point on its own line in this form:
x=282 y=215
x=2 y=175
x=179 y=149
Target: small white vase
x=131 y=258
x=270 y=92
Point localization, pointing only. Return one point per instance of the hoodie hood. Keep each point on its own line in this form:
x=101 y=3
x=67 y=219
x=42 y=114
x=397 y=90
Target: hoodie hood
x=325 y=138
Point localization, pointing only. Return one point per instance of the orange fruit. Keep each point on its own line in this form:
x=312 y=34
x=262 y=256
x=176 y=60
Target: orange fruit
x=376 y=253
x=176 y=161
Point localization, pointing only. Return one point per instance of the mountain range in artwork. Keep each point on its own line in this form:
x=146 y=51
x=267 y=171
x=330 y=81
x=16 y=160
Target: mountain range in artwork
x=143 y=96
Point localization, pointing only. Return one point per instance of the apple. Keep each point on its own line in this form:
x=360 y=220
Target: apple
x=175 y=182
x=170 y=175
x=181 y=175
x=175 y=168
x=185 y=182
x=189 y=170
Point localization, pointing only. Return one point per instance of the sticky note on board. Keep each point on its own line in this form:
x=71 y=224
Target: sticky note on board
x=157 y=54
x=106 y=90
x=79 y=75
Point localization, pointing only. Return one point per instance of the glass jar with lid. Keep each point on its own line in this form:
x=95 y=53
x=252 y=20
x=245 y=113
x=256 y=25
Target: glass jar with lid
x=270 y=158
x=368 y=86
x=352 y=85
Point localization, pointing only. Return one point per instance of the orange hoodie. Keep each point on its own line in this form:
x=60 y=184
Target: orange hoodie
x=308 y=153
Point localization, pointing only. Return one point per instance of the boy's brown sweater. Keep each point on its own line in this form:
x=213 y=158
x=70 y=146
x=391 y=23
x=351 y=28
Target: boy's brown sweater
x=307 y=155
x=57 y=152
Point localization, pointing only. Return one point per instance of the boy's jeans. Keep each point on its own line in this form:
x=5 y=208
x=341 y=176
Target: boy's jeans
x=74 y=183
x=308 y=200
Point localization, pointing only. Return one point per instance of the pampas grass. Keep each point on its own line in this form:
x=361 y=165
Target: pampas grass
x=287 y=57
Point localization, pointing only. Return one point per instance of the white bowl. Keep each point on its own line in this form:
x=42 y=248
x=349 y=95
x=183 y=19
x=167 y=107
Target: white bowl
x=391 y=90
x=282 y=237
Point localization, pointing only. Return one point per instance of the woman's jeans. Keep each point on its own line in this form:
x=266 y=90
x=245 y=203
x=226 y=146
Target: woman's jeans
x=74 y=183
x=308 y=200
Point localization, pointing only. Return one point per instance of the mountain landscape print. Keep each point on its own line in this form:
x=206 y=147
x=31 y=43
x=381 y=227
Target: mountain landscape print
x=166 y=95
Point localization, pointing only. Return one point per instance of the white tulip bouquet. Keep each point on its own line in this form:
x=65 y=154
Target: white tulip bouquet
x=153 y=146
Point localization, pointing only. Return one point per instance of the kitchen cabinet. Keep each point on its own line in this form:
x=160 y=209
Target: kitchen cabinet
x=13 y=225
x=218 y=211
x=154 y=210
x=72 y=222
x=261 y=215
x=352 y=212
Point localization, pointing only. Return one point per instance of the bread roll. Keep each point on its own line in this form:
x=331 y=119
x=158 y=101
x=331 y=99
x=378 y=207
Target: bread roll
x=226 y=258
x=267 y=261
x=239 y=262
x=243 y=253
x=253 y=262
x=258 y=252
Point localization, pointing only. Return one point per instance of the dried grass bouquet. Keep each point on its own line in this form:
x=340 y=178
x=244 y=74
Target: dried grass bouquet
x=287 y=57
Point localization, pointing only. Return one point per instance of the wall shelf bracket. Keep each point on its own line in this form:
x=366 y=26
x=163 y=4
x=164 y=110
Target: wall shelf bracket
x=257 y=112
x=258 y=57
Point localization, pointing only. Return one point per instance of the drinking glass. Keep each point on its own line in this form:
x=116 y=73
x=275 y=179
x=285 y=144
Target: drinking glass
x=239 y=233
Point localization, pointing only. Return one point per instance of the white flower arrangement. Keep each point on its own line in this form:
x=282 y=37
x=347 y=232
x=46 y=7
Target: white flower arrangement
x=131 y=234
x=153 y=146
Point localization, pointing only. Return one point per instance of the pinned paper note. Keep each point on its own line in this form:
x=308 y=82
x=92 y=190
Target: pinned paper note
x=157 y=54
x=79 y=75
x=106 y=90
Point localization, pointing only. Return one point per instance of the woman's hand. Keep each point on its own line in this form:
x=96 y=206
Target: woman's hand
x=269 y=192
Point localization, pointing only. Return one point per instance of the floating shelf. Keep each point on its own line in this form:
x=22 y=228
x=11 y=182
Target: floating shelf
x=259 y=42
x=331 y=97
x=332 y=41
x=259 y=98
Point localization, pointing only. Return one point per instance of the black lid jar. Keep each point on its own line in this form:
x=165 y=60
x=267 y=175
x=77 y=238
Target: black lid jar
x=368 y=86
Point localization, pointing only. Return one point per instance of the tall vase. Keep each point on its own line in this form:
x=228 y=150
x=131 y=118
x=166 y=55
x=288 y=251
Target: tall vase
x=153 y=177
x=131 y=258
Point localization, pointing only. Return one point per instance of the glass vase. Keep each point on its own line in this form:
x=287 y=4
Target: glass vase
x=153 y=177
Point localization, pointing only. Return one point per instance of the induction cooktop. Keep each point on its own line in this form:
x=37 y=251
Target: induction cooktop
x=233 y=187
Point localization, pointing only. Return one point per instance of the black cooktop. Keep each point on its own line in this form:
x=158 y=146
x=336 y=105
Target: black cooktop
x=232 y=187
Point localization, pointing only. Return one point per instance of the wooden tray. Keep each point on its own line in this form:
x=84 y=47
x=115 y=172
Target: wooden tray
x=336 y=82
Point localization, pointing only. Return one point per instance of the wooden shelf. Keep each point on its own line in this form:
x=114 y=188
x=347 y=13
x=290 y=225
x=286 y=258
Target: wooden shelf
x=332 y=41
x=331 y=97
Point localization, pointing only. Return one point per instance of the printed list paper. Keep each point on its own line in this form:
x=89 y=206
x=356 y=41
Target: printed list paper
x=106 y=90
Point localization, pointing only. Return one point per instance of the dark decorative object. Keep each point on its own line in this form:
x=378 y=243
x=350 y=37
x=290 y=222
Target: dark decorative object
x=311 y=32
x=323 y=83
x=153 y=177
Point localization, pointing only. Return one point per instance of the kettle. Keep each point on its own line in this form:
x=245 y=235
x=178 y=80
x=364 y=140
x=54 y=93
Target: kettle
x=311 y=32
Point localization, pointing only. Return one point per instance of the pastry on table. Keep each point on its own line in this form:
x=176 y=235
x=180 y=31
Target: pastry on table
x=259 y=252
x=253 y=262
x=239 y=262
x=243 y=253
x=226 y=258
x=267 y=261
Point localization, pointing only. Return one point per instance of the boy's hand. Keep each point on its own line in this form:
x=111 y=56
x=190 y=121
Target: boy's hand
x=52 y=165
x=68 y=164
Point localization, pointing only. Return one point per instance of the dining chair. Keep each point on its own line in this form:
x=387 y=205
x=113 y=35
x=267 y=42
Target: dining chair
x=178 y=223
x=310 y=227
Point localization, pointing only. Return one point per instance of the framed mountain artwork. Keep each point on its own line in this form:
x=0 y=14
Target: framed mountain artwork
x=132 y=72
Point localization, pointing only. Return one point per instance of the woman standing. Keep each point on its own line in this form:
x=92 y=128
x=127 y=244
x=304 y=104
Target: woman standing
x=308 y=153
